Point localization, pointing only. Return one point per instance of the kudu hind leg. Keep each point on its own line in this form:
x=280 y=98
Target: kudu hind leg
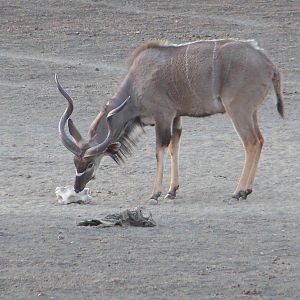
x=246 y=128
x=174 y=152
x=253 y=170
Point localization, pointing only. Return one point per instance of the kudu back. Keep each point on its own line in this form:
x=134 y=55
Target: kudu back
x=166 y=82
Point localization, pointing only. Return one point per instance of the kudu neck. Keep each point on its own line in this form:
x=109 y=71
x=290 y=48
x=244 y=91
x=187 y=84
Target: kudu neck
x=119 y=120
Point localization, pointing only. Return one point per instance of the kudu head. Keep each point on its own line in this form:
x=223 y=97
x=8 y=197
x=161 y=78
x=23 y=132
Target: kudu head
x=87 y=154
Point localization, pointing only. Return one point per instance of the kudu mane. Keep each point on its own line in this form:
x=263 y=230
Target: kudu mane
x=146 y=45
x=128 y=140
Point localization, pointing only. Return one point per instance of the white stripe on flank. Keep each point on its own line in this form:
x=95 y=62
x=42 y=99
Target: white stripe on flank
x=213 y=71
x=187 y=72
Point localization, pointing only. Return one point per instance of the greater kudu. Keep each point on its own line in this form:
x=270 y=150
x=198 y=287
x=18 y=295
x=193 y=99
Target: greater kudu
x=167 y=81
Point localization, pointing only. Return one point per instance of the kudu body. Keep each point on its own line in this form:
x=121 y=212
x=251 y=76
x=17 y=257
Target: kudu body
x=165 y=82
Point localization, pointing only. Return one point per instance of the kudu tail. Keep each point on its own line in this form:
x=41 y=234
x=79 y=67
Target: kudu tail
x=277 y=83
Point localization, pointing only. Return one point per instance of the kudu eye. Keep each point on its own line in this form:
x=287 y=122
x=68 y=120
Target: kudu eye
x=90 y=165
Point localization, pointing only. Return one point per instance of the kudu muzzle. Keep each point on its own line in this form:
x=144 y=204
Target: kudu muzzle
x=82 y=179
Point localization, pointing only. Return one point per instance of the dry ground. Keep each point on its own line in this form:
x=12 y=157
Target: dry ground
x=205 y=246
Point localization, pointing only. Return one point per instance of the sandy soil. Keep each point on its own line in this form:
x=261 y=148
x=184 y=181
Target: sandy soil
x=205 y=245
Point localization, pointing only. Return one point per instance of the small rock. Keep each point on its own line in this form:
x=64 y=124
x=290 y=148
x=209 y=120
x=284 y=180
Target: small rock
x=251 y=292
x=61 y=237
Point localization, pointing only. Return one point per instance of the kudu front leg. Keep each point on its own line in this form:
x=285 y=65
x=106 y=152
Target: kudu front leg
x=163 y=137
x=157 y=187
x=174 y=152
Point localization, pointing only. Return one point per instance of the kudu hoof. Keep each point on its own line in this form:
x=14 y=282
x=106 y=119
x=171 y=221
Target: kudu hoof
x=153 y=202
x=172 y=193
x=242 y=194
x=154 y=199
x=170 y=196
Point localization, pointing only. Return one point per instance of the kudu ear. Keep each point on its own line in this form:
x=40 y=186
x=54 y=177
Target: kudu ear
x=75 y=133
